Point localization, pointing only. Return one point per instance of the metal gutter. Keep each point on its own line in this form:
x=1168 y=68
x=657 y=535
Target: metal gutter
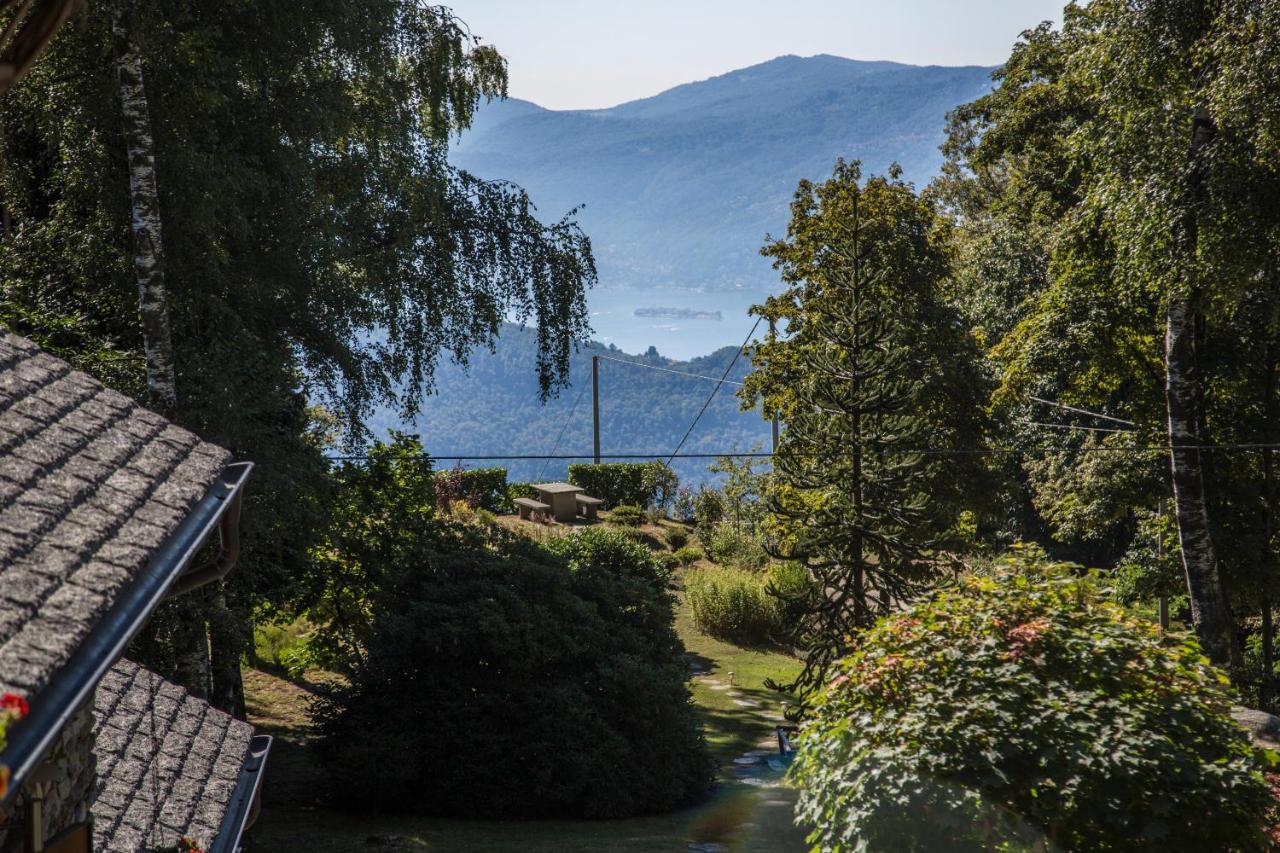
x=245 y=799
x=73 y=684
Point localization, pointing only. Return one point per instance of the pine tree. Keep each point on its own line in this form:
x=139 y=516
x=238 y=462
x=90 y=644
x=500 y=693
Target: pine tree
x=867 y=369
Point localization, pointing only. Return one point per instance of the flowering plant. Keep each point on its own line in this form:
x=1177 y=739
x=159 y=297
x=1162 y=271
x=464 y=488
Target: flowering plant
x=12 y=708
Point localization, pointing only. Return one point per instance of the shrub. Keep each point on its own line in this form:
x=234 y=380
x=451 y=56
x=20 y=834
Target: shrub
x=733 y=604
x=599 y=549
x=633 y=483
x=734 y=548
x=688 y=555
x=520 y=490
x=708 y=508
x=684 y=504
x=677 y=538
x=519 y=682
x=1025 y=709
x=631 y=516
x=480 y=487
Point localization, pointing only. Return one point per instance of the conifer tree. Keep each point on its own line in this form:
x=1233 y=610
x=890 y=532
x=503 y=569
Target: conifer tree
x=867 y=369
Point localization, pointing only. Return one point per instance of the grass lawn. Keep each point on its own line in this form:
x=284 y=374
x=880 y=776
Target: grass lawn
x=741 y=817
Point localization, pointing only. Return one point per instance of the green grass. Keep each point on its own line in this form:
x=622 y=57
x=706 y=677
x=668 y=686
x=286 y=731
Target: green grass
x=744 y=818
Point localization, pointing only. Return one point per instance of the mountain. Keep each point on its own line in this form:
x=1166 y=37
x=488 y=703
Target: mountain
x=678 y=190
x=492 y=408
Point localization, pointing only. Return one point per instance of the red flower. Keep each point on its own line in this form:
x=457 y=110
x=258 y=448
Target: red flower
x=15 y=703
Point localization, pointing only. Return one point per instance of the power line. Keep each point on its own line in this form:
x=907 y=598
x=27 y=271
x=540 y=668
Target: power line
x=669 y=370
x=924 y=451
x=1081 y=411
x=563 y=427
x=712 y=395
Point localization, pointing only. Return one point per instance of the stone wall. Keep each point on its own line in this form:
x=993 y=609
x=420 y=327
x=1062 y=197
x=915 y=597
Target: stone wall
x=68 y=784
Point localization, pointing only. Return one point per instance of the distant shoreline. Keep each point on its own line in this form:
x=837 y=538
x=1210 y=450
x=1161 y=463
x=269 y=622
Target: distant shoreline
x=678 y=314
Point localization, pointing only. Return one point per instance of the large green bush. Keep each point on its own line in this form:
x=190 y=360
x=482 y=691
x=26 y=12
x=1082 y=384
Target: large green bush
x=601 y=549
x=511 y=680
x=1026 y=709
x=733 y=604
x=635 y=483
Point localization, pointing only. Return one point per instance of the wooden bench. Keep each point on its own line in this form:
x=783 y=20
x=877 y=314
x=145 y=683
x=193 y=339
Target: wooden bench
x=531 y=509
x=588 y=506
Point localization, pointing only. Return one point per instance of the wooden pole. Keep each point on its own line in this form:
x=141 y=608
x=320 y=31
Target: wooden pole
x=774 y=448
x=595 y=405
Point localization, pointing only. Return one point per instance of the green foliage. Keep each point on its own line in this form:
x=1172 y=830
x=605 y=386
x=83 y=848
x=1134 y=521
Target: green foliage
x=482 y=487
x=1024 y=707
x=708 y=508
x=628 y=515
x=743 y=488
x=728 y=546
x=867 y=364
x=688 y=555
x=734 y=604
x=502 y=678
x=676 y=537
x=598 y=549
x=635 y=483
x=384 y=511
x=283 y=644
x=520 y=490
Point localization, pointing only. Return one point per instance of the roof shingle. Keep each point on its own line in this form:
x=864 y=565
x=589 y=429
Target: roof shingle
x=167 y=762
x=90 y=485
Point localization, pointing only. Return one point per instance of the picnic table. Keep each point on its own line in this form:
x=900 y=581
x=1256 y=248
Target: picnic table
x=561 y=497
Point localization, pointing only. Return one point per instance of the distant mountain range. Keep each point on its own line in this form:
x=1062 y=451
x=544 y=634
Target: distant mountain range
x=679 y=190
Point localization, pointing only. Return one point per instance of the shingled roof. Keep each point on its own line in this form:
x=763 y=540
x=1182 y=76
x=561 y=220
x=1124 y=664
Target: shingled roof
x=168 y=763
x=91 y=484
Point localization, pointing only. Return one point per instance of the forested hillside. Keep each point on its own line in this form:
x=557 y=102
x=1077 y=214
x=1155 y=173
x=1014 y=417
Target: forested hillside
x=492 y=407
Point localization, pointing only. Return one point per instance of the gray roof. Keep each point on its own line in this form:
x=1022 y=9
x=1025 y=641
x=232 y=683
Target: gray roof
x=167 y=762
x=90 y=485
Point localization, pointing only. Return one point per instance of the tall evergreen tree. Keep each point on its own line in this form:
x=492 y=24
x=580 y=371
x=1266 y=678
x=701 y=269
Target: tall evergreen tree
x=870 y=373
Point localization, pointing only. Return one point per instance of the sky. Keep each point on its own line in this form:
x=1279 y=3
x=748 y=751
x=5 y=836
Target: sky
x=586 y=54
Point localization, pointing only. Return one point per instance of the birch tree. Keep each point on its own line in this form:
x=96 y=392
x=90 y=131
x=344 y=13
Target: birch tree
x=144 y=197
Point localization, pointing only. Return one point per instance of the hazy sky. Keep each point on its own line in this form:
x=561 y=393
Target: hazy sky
x=568 y=54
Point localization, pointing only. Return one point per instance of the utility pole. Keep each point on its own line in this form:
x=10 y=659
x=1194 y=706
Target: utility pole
x=595 y=404
x=1164 y=599
x=774 y=448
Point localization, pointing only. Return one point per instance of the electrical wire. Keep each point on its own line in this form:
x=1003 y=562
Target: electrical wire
x=669 y=370
x=1081 y=411
x=923 y=451
x=563 y=427
x=712 y=395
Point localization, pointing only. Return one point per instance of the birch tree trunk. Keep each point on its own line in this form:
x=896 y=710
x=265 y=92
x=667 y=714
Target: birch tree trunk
x=148 y=248
x=1209 y=610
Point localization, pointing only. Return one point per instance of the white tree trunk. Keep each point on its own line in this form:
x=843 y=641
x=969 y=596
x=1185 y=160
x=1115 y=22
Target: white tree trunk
x=148 y=250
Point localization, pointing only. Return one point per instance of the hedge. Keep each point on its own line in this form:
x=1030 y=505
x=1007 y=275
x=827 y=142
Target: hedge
x=618 y=483
x=483 y=487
